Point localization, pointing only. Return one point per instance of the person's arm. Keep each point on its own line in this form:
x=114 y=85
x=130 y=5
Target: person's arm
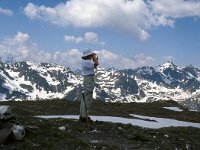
x=95 y=60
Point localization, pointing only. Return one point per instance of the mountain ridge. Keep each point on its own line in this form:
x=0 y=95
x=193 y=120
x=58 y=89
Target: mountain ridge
x=27 y=80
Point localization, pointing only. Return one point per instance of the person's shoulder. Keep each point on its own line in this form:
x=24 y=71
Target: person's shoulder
x=87 y=61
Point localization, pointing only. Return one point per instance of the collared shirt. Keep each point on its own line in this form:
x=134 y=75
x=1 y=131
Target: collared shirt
x=87 y=67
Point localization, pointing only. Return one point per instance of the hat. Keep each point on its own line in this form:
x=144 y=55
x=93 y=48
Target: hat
x=87 y=52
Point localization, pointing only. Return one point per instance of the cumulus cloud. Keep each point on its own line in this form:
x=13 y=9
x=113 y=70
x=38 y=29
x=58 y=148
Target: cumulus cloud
x=125 y=16
x=71 y=38
x=133 y=17
x=22 y=48
x=109 y=59
x=89 y=37
x=17 y=46
x=6 y=12
x=176 y=8
x=20 y=38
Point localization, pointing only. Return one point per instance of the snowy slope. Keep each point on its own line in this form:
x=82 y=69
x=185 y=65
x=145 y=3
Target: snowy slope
x=29 y=81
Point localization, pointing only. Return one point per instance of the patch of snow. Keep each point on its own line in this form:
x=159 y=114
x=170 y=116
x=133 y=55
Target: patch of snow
x=116 y=91
x=168 y=79
x=166 y=135
x=72 y=79
x=158 y=123
x=147 y=70
x=170 y=64
x=198 y=79
x=160 y=92
x=130 y=98
x=190 y=76
x=174 y=108
x=2 y=97
x=163 y=122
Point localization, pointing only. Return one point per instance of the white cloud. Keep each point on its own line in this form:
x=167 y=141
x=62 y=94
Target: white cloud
x=19 y=46
x=176 y=8
x=6 y=12
x=130 y=17
x=109 y=59
x=133 y=17
x=71 y=38
x=20 y=38
x=22 y=48
x=89 y=37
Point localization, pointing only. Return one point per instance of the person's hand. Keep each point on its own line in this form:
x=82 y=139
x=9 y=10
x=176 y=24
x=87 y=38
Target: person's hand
x=95 y=59
x=94 y=55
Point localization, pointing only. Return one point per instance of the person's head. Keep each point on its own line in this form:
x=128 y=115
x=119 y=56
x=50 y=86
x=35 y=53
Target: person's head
x=87 y=54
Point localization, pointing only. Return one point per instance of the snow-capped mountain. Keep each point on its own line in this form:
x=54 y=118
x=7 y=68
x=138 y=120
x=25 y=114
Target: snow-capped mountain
x=28 y=81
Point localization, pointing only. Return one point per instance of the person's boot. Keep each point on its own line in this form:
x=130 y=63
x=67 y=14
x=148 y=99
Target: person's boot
x=84 y=119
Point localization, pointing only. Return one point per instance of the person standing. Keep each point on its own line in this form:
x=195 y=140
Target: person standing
x=89 y=63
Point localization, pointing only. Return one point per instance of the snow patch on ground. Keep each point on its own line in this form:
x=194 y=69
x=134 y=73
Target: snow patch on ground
x=142 y=121
x=174 y=108
x=2 y=97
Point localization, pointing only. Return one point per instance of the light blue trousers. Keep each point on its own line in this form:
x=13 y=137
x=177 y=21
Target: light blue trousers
x=88 y=84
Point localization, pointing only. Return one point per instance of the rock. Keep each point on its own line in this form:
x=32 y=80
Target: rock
x=61 y=128
x=18 y=132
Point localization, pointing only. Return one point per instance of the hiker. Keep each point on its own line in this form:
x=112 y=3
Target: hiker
x=89 y=63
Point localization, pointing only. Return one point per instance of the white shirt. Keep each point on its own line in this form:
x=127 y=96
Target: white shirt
x=87 y=67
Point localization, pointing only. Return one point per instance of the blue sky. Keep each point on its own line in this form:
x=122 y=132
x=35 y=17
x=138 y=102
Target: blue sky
x=125 y=34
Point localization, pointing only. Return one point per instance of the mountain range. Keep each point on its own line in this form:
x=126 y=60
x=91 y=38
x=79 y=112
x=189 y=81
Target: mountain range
x=27 y=80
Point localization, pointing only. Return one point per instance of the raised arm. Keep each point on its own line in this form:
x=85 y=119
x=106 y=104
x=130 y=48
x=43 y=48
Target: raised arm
x=95 y=59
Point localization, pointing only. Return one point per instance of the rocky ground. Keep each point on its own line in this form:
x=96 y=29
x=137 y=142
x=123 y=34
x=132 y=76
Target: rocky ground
x=101 y=135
